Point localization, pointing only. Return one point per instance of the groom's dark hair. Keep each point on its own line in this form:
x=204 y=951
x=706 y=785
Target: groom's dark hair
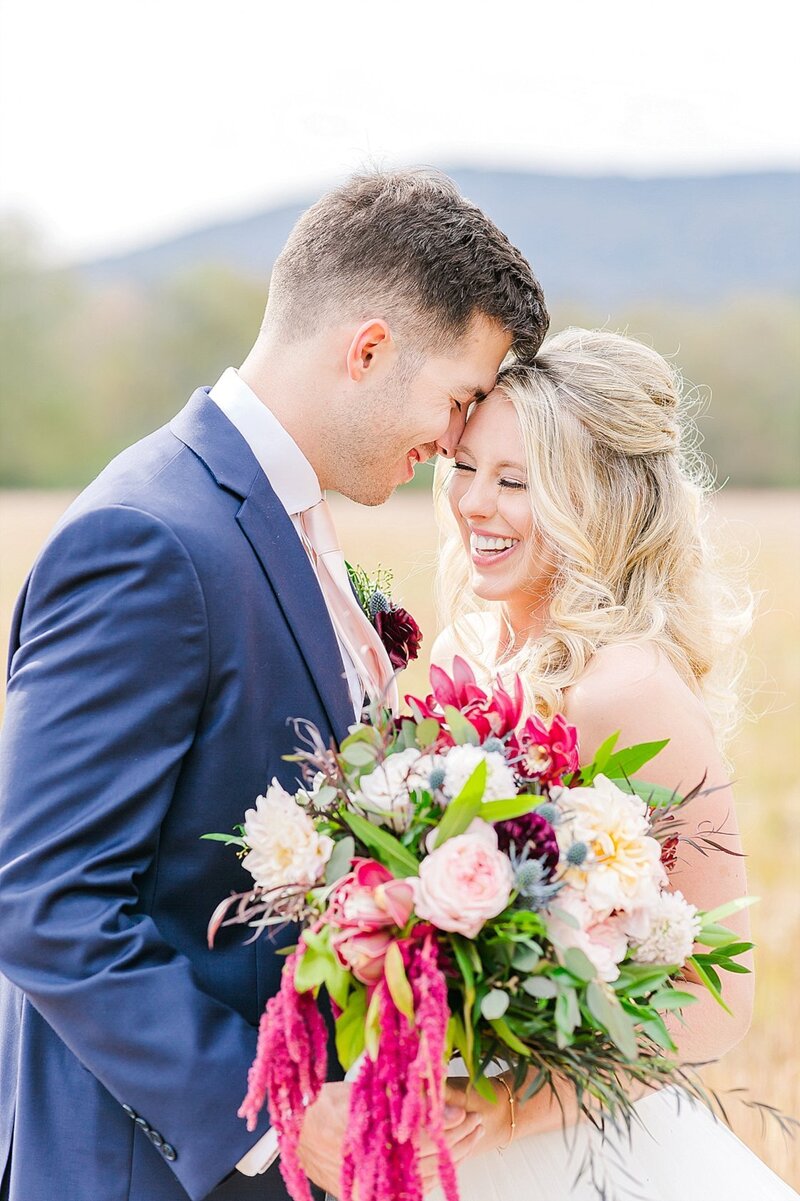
x=408 y=246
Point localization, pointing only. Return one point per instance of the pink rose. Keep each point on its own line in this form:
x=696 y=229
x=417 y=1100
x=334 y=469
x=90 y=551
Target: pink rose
x=604 y=943
x=464 y=882
x=366 y=907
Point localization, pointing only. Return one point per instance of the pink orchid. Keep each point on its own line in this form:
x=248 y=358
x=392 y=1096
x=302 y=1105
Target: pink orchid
x=539 y=753
x=492 y=714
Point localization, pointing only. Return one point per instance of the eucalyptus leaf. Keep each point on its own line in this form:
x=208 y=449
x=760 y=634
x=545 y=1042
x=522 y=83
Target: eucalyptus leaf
x=668 y=999
x=540 y=986
x=462 y=730
x=426 y=733
x=579 y=964
x=230 y=840
x=360 y=754
x=494 y=1004
x=525 y=958
x=339 y=863
x=606 y=1009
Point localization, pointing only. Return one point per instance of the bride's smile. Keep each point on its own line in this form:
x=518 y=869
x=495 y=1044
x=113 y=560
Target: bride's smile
x=490 y=500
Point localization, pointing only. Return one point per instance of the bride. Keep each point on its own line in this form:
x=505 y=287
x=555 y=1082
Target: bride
x=576 y=555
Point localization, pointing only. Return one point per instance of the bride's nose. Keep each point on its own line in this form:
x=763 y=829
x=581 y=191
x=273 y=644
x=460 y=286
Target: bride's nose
x=479 y=500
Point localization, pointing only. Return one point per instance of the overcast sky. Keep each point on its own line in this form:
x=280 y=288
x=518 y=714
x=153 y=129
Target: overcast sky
x=123 y=122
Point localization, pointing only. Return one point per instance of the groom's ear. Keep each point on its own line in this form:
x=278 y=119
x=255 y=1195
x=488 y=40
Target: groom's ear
x=371 y=346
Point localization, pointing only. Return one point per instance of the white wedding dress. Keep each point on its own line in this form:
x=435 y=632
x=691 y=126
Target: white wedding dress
x=679 y=1153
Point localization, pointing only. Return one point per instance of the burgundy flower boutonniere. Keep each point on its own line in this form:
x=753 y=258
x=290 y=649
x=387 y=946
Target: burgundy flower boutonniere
x=396 y=628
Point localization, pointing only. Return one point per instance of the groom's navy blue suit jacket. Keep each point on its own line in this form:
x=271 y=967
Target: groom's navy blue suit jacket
x=168 y=631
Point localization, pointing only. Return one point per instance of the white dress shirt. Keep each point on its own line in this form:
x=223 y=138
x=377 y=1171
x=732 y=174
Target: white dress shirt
x=296 y=486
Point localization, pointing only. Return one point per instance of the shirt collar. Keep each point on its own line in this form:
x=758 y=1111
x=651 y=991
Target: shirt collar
x=289 y=472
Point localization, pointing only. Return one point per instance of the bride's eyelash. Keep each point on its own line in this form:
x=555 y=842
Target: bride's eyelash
x=463 y=467
x=515 y=484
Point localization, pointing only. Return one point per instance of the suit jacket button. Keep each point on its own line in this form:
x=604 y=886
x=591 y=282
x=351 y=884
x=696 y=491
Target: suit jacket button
x=130 y=1112
x=169 y=1152
x=155 y=1138
x=143 y=1124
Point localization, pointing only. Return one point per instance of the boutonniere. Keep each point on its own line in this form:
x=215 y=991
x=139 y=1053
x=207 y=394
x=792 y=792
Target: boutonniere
x=397 y=629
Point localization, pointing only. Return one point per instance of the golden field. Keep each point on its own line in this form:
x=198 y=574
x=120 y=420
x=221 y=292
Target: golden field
x=764 y=529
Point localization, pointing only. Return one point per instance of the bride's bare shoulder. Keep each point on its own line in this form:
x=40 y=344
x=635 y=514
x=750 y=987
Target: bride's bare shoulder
x=634 y=688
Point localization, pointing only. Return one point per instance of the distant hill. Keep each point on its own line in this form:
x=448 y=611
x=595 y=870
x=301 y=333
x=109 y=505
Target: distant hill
x=601 y=241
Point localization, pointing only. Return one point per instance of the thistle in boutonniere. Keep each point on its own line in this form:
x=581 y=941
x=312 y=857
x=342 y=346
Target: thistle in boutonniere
x=397 y=629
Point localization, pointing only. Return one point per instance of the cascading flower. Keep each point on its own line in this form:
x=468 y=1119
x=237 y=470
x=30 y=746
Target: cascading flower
x=289 y=1070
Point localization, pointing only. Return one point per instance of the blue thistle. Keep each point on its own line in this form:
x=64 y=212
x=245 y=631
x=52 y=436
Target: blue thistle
x=494 y=744
x=549 y=812
x=531 y=881
x=576 y=855
x=436 y=778
x=378 y=602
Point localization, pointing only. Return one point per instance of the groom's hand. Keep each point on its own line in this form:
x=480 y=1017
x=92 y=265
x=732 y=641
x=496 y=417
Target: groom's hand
x=325 y=1124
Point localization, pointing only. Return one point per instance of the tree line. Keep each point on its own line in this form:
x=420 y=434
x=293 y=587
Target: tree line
x=87 y=369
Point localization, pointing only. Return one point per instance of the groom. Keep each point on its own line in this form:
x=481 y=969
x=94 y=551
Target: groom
x=177 y=619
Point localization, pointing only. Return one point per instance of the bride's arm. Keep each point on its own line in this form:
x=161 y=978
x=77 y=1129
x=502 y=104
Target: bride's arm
x=638 y=692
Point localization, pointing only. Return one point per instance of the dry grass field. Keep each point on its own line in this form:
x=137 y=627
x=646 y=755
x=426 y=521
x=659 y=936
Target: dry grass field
x=764 y=528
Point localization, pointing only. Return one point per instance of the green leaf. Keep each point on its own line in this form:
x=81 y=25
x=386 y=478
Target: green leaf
x=628 y=761
x=384 y=845
x=710 y=979
x=606 y=1009
x=578 y=963
x=540 y=986
x=462 y=730
x=534 y=1087
x=716 y=915
x=372 y=1027
x=463 y=808
x=397 y=980
x=350 y=1028
x=311 y=971
x=230 y=840
x=638 y=978
x=426 y=733
x=504 y=810
x=359 y=754
x=602 y=756
x=525 y=957
x=567 y=1013
x=659 y=1033
x=339 y=863
x=507 y=1035
x=667 y=999
x=494 y=1004
x=653 y=794
x=463 y=959
x=715 y=935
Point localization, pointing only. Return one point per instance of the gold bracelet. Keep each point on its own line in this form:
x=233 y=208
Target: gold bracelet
x=512 y=1107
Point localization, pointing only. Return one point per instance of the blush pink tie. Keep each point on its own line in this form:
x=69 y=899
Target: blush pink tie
x=358 y=636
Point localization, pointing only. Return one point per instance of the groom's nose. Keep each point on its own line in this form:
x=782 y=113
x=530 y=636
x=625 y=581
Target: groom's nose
x=449 y=440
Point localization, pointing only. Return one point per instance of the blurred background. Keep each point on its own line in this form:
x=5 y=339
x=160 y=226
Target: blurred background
x=646 y=159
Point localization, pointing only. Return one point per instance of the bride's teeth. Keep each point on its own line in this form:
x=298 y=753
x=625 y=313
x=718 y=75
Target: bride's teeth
x=481 y=543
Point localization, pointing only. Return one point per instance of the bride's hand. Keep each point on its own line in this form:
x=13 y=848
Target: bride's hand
x=463 y=1132
x=495 y=1115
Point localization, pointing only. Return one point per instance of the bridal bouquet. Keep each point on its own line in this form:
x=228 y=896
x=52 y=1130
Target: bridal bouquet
x=465 y=887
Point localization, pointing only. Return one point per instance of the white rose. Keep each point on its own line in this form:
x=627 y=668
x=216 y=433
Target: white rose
x=461 y=761
x=623 y=868
x=385 y=793
x=285 y=849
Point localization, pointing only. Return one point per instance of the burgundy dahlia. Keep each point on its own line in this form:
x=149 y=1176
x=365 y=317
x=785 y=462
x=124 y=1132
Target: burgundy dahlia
x=531 y=833
x=400 y=634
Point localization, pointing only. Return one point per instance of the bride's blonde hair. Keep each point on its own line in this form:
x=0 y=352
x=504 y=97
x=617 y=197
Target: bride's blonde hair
x=619 y=492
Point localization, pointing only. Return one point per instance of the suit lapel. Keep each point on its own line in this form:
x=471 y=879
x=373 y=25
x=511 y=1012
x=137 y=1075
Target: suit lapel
x=203 y=427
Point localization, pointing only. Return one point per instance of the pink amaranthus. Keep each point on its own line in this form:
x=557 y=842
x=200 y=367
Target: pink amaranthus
x=289 y=1070
x=400 y=1092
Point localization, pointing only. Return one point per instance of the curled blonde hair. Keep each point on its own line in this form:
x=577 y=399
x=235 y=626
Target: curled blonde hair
x=618 y=491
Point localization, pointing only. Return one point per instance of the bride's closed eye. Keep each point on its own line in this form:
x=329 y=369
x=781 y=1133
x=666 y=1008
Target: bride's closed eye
x=503 y=482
